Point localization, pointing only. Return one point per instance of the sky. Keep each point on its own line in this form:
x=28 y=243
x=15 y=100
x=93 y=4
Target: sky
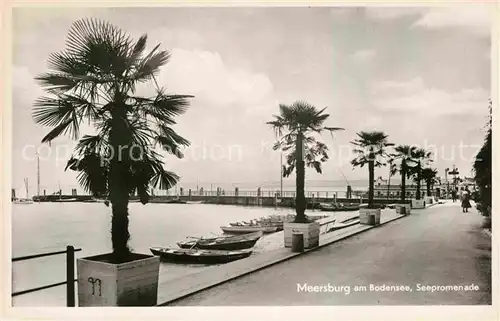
x=421 y=75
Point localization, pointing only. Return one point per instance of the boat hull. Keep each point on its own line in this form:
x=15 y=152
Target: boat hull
x=249 y=229
x=241 y=245
x=196 y=256
x=348 y=208
x=22 y=202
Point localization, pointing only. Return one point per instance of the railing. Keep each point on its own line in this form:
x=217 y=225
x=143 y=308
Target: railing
x=70 y=274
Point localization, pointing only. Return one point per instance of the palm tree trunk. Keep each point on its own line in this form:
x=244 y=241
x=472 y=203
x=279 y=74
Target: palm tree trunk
x=118 y=187
x=403 y=180
x=371 y=176
x=428 y=187
x=419 y=179
x=300 y=199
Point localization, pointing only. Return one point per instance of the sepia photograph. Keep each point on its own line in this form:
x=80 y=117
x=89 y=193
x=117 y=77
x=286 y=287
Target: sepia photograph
x=251 y=156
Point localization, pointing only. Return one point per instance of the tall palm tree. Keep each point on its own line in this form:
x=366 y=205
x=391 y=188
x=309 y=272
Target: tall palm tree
x=429 y=175
x=422 y=158
x=393 y=169
x=371 y=148
x=294 y=126
x=94 y=80
x=405 y=153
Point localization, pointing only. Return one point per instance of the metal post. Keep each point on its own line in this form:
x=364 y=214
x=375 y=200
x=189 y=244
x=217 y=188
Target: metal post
x=281 y=175
x=70 y=276
x=38 y=176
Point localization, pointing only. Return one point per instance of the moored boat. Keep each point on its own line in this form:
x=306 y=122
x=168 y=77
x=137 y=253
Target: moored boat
x=66 y=200
x=176 y=201
x=339 y=207
x=249 y=229
x=227 y=243
x=199 y=256
x=22 y=201
x=344 y=224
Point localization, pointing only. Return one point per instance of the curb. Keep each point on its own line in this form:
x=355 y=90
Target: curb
x=291 y=256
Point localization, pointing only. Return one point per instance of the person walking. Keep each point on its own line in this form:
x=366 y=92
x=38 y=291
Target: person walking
x=466 y=200
x=454 y=195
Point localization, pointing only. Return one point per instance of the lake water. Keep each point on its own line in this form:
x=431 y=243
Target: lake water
x=47 y=227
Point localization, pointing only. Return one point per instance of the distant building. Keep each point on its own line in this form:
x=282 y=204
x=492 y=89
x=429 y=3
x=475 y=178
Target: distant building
x=382 y=189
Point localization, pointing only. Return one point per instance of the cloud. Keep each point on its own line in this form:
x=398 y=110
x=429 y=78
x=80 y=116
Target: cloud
x=364 y=55
x=174 y=38
x=391 y=13
x=476 y=18
x=473 y=18
x=205 y=75
x=414 y=96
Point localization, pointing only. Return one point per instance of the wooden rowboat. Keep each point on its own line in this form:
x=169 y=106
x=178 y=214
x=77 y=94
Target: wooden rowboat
x=338 y=208
x=198 y=256
x=228 y=243
x=249 y=229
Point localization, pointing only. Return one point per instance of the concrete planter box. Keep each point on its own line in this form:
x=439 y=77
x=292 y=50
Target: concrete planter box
x=417 y=203
x=134 y=283
x=309 y=230
x=429 y=199
x=406 y=207
x=369 y=216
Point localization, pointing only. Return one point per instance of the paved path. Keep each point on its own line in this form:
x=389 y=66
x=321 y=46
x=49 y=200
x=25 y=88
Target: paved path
x=436 y=246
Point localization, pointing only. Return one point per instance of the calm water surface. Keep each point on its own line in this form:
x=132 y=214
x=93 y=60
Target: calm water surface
x=46 y=227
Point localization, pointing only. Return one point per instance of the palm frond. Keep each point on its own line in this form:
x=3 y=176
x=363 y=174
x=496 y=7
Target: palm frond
x=92 y=174
x=164 y=180
x=150 y=65
x=371 y=146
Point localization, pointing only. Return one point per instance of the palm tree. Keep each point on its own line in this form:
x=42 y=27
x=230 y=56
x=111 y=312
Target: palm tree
x=94 y=80
x=393 y=169
x=422 y=157
x=371 y=148
x=406 y=154
x=294 y=126
x=429 y=176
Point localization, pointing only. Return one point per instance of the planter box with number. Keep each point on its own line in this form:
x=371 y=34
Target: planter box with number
x=369 y=216
x=310 y=232
x=404 y=209
x=133 y=283
x=417 y=203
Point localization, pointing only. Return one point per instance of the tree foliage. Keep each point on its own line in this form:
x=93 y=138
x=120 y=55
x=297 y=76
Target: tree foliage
x=371 y=150
x=94 y=81
x=295 y=127
x=483 y=170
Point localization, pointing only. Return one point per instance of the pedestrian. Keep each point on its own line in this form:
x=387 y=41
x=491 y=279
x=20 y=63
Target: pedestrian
x=454 y=195
x=465 y=200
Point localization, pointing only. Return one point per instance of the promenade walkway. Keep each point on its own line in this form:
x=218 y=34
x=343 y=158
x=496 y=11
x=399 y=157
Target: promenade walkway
x=436 y=246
